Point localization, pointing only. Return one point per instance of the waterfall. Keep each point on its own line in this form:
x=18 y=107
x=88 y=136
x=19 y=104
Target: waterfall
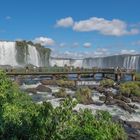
x=33 y=56
x=61 y=62
x=14 y=55
x=8 y=53
x=131 y=62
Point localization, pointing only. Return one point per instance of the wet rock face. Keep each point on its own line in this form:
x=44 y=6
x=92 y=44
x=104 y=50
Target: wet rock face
x=102 y=98
x=135 y=99
x=123 y=98
x=31 y=90
x=42 y=88
x=132 y=129
x=48 y=82
x=124 y=106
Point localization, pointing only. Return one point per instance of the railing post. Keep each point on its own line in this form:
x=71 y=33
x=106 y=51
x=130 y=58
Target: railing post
x=78 y=76
x=133 y=77
x=117 y=77
x=103 y=75
x=54 y=77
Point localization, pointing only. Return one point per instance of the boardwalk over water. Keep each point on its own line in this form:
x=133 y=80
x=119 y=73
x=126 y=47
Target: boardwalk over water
x=118 y=73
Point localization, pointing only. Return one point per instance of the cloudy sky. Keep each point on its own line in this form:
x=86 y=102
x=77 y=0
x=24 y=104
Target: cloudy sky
x=74 y=28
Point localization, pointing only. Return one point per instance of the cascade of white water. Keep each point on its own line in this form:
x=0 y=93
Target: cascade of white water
x=131 y=62
x=76 y=63
x=59 y=62
x=69 y=62
x=33 y=57
x=8 y=53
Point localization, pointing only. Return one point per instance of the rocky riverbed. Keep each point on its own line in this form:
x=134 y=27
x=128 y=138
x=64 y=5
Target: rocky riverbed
x=125 y=110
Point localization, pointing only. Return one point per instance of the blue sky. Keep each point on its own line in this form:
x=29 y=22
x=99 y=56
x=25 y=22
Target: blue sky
x=74 y=28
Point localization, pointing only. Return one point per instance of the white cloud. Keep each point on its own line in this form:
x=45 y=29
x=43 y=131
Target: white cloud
x=128 y=52
x=87 y=45
x=65 y=22
x=113 y=27
x=8 y=17
x=45 y=41
x=72 y=54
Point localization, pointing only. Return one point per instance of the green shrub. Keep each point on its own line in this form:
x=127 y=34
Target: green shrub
x=107 y=83
x=63 y=83
x=21 y=118
x=129 y=88
x=84 y=95
x=61 y=93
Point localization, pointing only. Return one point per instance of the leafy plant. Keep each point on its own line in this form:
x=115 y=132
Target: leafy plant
x=130 y=88
x=107 y=83
x=84 y=95
x=21 y=118
x=61 y=93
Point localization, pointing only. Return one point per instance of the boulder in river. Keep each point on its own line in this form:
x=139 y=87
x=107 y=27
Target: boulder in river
x=135 y=99
x=42 y=88
x=31 y=90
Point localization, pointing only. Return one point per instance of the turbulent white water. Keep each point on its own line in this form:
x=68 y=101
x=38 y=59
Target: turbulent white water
x=112 y=109
x=8 y=53
x=33 y=56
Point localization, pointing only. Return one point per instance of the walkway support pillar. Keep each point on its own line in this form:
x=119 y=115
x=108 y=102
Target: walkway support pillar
x=78 y=76
x=94 y=76
x=117 y=77
x=103 y=75
x=133 y=77
x=54 y=77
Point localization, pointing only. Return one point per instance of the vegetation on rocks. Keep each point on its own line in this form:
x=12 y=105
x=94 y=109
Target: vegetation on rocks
x=67 y=84
x=22 y=49
x=84 y=95
x=137 y=76
x=61 y=93
x=22 y=119
x=107 y=83
x=130 y=88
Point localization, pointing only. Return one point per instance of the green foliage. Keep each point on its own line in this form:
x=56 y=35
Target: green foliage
x=129 y=88
x=61 y=93
x=22 y=49
x=67 y=84
x=107 y=83
x=22 y=119
x=137 y=76
x=84 y=95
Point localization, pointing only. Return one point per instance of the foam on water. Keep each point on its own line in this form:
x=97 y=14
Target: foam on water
x=112 y=109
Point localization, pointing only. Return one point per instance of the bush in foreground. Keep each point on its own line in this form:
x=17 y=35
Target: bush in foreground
x=22 y=119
